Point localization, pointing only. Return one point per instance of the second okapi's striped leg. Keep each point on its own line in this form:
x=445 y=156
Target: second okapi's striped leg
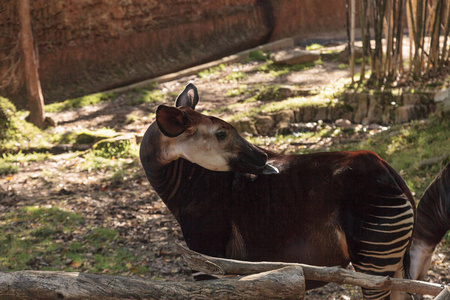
x=384 y=236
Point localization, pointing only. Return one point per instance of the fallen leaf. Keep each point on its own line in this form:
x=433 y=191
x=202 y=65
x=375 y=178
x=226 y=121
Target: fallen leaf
x=76 y=264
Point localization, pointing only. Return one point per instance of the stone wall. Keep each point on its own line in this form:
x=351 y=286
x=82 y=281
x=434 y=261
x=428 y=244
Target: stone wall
x=368 y=109
x=87 y=46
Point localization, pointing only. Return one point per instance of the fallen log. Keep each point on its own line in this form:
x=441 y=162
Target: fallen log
x=285 y=283
x=444 y=295
x=220 y=266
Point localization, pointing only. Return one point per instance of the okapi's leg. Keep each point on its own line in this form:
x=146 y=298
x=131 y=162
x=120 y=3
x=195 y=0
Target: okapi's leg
x=384 y=234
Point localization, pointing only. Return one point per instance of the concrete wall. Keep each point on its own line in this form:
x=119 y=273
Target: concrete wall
x=87 y=46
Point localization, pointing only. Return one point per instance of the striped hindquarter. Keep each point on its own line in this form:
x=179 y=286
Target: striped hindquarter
x=384 y=234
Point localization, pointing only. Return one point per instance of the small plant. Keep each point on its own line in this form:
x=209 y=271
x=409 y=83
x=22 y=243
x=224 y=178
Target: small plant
x=236 y=76
x=80 y=102
x=257 y=55
x=211 y=71
x=7 y=168
x=131 y=118
x=149 y=96
x=242 y=89
x=277 y=70
x=314 y=47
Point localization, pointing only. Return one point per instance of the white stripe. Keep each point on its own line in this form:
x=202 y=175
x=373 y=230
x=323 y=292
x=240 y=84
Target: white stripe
x=397 y=216
x=387 y=243
x=374 y=253
x=390 y=206
x=390 y=231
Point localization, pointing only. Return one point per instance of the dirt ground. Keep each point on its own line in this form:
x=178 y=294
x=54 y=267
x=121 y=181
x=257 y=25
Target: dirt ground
x=132 y=207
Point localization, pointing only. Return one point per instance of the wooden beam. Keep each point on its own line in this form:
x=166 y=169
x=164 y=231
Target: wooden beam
x=221 y=266
x=286 y=283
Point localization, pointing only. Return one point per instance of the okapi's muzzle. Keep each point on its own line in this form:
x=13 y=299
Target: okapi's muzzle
x=251 y=160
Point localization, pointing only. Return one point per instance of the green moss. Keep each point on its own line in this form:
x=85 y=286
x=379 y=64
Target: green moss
x=236 y=76
x=7 y=168
x=89 y=137
x=277 y=70
x=149 y=96
x=17 y=134
x=92 y=99
x=257 y=55
x=211 y=71
x=314 y=46
x=241 y=90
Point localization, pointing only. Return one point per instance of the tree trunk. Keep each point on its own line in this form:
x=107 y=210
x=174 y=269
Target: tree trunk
x=220 y=266
x=285 y=283
x=33 y=85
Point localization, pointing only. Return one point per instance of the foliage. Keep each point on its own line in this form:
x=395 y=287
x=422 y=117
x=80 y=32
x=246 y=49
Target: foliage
x=17 y=134
x=7 y=112
x=426 y=23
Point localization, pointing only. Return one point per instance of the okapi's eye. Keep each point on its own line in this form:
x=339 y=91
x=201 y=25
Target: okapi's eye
x=221 y=135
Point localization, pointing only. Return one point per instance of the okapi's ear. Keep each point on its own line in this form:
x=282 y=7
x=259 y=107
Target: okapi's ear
x=171 y=121
x=188 y=97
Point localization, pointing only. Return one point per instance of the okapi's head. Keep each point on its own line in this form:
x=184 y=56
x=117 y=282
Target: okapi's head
x=207 y=141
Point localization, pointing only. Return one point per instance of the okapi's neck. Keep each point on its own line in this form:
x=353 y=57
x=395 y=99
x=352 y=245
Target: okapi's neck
x=164 y=176
x=198 y=198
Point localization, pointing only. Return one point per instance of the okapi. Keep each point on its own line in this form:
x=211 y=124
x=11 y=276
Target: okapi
x=433 y=221
x=235 y=200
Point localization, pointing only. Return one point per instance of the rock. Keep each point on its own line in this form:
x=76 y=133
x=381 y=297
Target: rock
x=404 y=113
x=344 y=123
x=284 y=128
x=375 y=110
x=287 y=91
x=442 y=95
x=362 y=107
x=285 y=116
x=308 y=113
x=411 y=99
x=264 y=124
x=344 y=54
x=375 y=126
x=322 y=113
x=387 y=116
x=429 y=162
x=294 y=56
x=410 y=112
x=442 y=99
x=365 y=121
x=116 y=144
x=91 y=137
x=298 y=116
x=245 y=125
x=139 y=137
